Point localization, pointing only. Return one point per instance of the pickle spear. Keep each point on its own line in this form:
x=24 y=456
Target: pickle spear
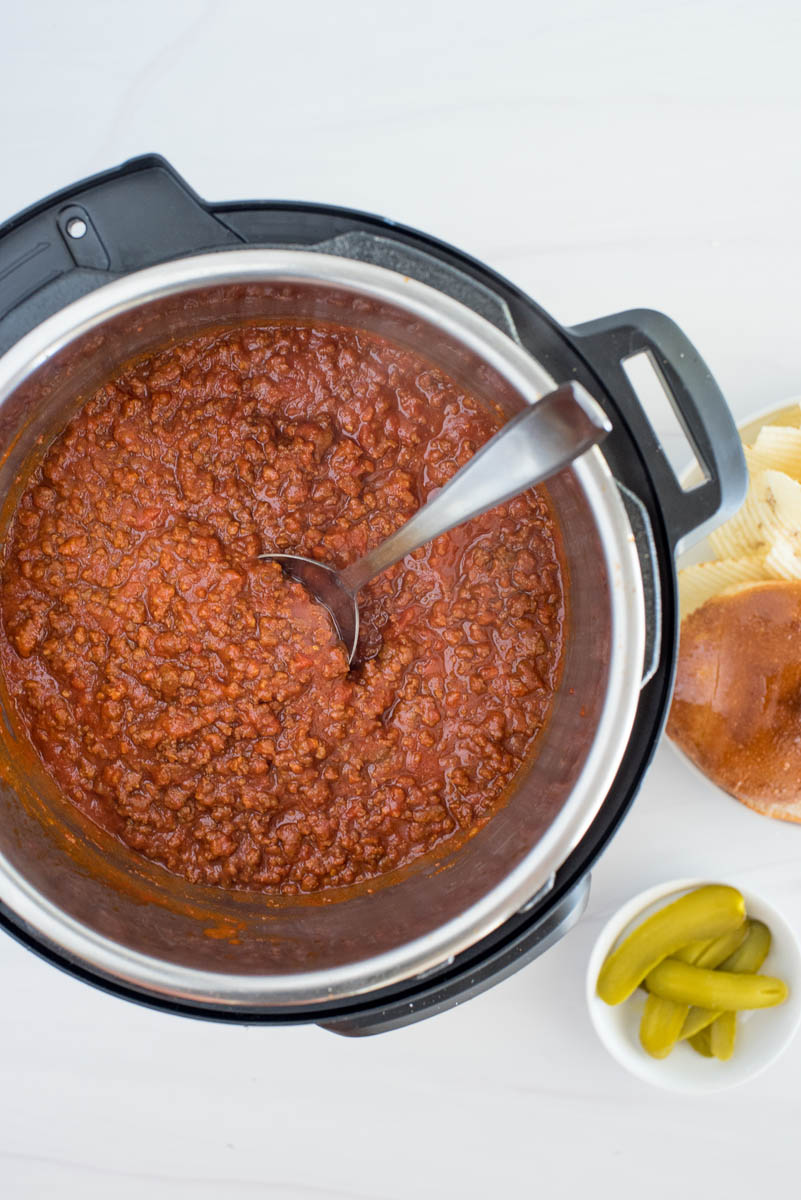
x=700 y=1042
x=748 y=958
x=663 y=1020
x=722 y=1034
x=661 y=1025
x=716 y=953
x=703 y=914
x=720 y=991
x=750 y=955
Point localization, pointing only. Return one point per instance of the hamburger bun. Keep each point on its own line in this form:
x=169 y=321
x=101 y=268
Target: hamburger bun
x=737 y=703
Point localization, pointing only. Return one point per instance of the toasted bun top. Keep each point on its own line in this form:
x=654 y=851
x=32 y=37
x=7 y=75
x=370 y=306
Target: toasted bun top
x=737 y=704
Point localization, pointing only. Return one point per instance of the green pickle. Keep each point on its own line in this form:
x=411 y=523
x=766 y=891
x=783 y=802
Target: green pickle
x=747 y=959
x=722 y=1034
x=716 y=990
x=716 y=953
x=750 y=956
x=663 y=1020
x=697 y=1019
x=661 y=1025
x=701 y=915
x=701 y=1043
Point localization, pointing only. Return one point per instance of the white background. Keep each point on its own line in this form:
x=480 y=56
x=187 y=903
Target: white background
x=602 y=155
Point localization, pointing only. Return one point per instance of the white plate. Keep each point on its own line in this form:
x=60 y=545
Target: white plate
x=762 y=1035
x=702 y=551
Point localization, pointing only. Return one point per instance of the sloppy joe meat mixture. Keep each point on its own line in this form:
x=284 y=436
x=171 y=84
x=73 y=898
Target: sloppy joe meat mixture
x=194 y=702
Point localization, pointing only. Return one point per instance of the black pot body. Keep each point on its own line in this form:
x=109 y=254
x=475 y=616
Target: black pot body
x=143 y=213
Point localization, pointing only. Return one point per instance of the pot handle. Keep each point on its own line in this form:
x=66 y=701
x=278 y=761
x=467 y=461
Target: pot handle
x=77 y=239
x=699 y=405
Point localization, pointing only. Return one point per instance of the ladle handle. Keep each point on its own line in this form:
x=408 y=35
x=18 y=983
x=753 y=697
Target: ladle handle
x=532 y=446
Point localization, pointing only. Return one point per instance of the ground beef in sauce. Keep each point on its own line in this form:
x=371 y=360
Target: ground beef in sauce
x=194 y=702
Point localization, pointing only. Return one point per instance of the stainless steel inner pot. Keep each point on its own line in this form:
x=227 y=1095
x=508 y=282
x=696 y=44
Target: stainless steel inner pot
x=96 y=902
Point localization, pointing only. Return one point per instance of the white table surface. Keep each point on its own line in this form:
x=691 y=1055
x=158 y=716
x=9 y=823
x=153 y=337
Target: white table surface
x=602 y=156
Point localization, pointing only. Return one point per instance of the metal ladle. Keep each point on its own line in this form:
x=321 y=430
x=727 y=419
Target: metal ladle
x=535 y=444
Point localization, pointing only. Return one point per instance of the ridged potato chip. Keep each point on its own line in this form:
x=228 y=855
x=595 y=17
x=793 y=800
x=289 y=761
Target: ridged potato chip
x=783 y=560
x=772 y=508
x=756 y=461
x=778 y=448
x=762 y=540
x=701 y=582
x=776 y=506
x=742 y=535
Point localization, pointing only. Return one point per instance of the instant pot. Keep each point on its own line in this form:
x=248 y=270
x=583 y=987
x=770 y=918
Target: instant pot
x=130 y=259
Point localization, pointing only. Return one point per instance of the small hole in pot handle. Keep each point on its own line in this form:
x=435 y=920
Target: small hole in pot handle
x=646 y=380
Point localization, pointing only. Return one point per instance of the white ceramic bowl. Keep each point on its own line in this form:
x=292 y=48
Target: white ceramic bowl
x=762 y=1035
